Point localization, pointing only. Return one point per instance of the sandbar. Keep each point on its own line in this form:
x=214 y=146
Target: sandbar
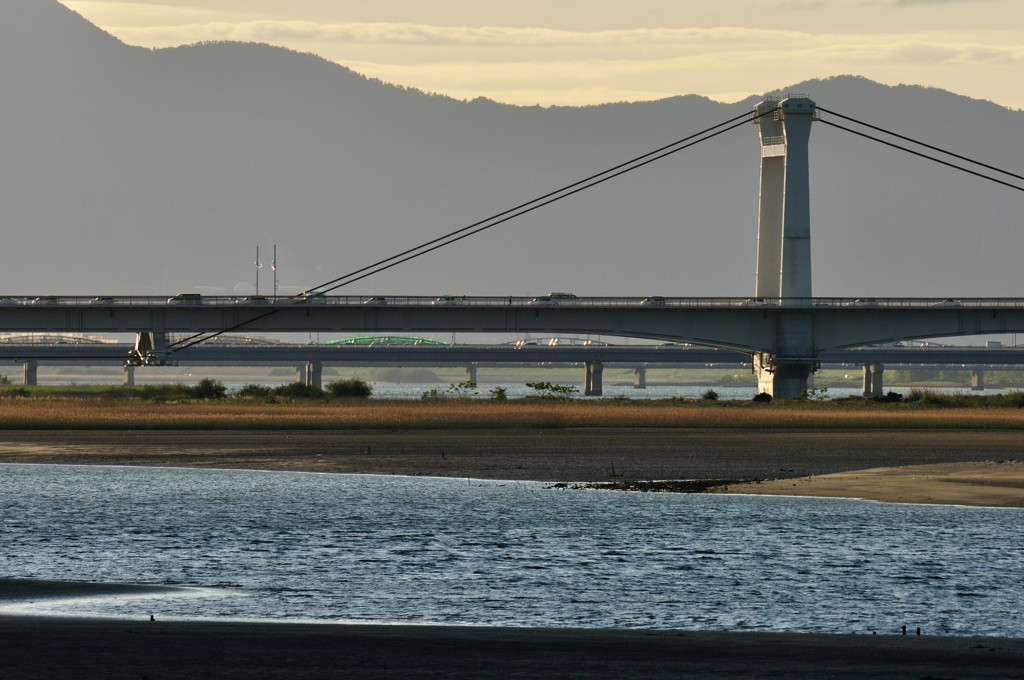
x=974 y=467
x=998 y=484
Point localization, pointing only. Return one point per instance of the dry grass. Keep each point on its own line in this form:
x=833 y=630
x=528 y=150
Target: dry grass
x=74 y=413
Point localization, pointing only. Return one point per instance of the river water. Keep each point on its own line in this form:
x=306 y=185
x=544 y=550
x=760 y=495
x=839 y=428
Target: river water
x=365 y=548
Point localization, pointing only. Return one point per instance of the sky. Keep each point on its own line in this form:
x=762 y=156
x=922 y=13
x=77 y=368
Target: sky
x=552 y=52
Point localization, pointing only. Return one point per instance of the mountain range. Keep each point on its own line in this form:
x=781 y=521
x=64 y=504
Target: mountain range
x=125 y=170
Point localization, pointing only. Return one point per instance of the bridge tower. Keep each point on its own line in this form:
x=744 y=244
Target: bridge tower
x=783 y=272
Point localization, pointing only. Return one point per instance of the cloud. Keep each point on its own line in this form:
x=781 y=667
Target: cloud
x=557 y=66
x=103 y=13
x=440 y=36
x=632 y=43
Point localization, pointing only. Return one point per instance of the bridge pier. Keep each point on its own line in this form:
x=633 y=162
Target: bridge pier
x=782 y=377
x=873 y=380
x=31 y=373
x=640 y=379
x=978 y=380
x=471 y=375
x=129 y=375
x=151 y=347
x=592 y=385
x=312 y=374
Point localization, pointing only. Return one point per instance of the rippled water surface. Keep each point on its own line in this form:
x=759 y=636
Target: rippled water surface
x=272 y=545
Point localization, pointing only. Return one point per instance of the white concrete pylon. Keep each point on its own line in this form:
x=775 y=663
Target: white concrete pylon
x=784 y=242
x=784 y=218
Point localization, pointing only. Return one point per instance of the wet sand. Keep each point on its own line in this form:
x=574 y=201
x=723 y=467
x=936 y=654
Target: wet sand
x=42 y=648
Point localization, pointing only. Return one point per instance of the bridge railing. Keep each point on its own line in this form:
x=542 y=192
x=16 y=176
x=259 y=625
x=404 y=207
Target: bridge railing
x=553 y=300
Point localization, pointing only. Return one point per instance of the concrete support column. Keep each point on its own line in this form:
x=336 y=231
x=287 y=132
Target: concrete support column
x=782 y=377
x=592 y=386
x=977 y=380
x=471 y=375
x=151 y=347
x=129 y=375
x=785 y=371
x=314 y=373
x=300 y=374
x=640 y=379
x=31 y=373
x=873 y=380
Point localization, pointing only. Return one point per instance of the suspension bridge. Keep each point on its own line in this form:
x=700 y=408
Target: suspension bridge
x=783 y=328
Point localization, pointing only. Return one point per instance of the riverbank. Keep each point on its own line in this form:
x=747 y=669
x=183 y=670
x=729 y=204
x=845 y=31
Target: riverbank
x=994 y=412
x=42 y=648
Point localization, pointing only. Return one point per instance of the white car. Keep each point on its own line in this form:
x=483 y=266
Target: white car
x=186 y=299
x=553 y=299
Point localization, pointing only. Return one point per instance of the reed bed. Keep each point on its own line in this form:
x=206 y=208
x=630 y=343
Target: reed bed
x=124 y=414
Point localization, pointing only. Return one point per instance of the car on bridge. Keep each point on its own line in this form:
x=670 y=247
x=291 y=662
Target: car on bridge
x=186 y=299
x=553 y=298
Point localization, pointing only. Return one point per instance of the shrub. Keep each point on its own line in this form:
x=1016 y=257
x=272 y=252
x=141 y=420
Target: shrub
x=710 y=395
x=815 y=394
x=460 y=390
x=118 y=393
x=297 y=390
x=547 y=389
x=254 y=390
x=762 y=397
x=208 y=389
x=1014 y=399
x=928 y=398
x=498 y=393
x=353 y=387
x=164 y=392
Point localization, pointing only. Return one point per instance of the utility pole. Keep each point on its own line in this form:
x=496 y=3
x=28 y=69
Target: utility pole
x=259 y=266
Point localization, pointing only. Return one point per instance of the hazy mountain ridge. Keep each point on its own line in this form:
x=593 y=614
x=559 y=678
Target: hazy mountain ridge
x=127 y=170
